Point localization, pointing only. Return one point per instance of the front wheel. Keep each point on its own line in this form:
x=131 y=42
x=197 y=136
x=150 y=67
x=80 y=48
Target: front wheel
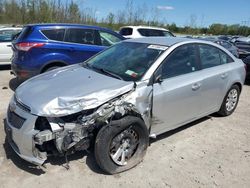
x=230 y=101
x=121 y=145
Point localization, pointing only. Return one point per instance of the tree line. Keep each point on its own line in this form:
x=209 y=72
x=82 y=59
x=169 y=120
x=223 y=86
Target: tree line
x=23 y=12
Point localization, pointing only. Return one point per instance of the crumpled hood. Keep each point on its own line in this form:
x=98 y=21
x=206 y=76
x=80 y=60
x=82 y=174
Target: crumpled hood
x=69 y=90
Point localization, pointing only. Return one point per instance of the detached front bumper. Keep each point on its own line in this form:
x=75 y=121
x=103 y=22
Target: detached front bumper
x=20 y=132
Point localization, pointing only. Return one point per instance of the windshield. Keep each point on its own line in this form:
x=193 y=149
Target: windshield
x=128 y=61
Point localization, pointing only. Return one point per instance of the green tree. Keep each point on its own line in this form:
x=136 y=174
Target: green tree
x=110 y=19
x=44 y=12
x=74 y=15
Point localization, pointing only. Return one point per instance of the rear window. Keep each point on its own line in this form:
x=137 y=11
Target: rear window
x=126 y=31
x=54 y=34
x=154 y=33
x=25 y=32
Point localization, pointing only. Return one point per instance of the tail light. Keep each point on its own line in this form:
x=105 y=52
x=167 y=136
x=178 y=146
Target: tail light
x=26 y=46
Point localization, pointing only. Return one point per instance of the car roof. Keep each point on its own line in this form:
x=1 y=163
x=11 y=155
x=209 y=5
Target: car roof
x=10 y=28
x=165 y=41
x=144 y=27
x=67 y=25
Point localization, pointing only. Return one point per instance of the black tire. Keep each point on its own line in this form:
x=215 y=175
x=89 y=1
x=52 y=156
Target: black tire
x=51 y=68
x=106 y=136
x=223 y=109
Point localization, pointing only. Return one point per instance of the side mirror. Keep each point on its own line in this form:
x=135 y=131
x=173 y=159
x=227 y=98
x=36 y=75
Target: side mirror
x=158 y=79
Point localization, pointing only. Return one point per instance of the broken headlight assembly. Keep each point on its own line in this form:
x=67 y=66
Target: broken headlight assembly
x=68 y=133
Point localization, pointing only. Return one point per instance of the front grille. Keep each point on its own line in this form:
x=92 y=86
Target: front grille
x=15 y=120
x=21 y=105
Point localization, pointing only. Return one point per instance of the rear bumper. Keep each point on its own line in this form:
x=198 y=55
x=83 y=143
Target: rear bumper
x=21 y=73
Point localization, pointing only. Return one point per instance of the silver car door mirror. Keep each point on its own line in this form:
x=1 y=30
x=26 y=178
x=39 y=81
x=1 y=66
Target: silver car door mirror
x=158 y=79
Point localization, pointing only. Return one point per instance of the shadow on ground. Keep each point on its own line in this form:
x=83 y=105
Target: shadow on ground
x=90 y=159
x=172 y=132
x=247 y=82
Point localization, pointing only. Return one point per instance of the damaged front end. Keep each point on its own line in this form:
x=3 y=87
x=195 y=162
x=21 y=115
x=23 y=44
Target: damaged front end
x=75 y=132
x=35 y=136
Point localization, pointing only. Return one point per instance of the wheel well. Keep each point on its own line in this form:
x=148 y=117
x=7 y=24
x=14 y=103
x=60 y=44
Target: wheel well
x=239 y=85
x=52 y=64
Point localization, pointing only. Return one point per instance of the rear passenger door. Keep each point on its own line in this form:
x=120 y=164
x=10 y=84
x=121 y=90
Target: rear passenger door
x=215 y=69
x=82 y=43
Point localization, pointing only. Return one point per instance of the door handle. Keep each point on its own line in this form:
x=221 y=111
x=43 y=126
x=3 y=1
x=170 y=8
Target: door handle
x=9 y=45
x=196 y=86
x=224 y=75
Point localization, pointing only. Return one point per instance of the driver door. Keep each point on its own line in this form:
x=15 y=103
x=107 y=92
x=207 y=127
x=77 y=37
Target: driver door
x=176 y=94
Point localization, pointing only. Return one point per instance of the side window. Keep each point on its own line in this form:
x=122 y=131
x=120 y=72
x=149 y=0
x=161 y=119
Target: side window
x=7 y=35
x=151 y=32
x=54 y=34
x=212 y=56
x=181 y=61
x=108 y=39
x=5 y=38
x=168 y=34
x=81 y=36
x=209 y=55
x=126 y=31
x=225 y=58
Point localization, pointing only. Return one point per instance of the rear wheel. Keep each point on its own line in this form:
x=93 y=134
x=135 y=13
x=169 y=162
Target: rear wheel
x=230 y=101
x=121 y=145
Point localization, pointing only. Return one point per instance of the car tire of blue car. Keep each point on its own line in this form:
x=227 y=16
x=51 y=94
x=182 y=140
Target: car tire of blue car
x=121 y=144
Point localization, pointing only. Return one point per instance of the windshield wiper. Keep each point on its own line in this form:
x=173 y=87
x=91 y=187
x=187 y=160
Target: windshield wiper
x=88 y=66
x=107 y=72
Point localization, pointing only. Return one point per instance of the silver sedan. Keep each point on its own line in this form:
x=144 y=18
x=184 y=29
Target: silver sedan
x=115 y=101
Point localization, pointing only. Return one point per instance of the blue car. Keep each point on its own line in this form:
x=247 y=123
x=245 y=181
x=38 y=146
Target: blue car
x=43 y=47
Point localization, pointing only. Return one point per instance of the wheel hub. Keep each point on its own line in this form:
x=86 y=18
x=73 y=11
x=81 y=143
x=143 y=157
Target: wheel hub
x=231 y=100
x=123 y=146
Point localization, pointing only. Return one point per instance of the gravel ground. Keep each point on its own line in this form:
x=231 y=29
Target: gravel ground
x=211 y=152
